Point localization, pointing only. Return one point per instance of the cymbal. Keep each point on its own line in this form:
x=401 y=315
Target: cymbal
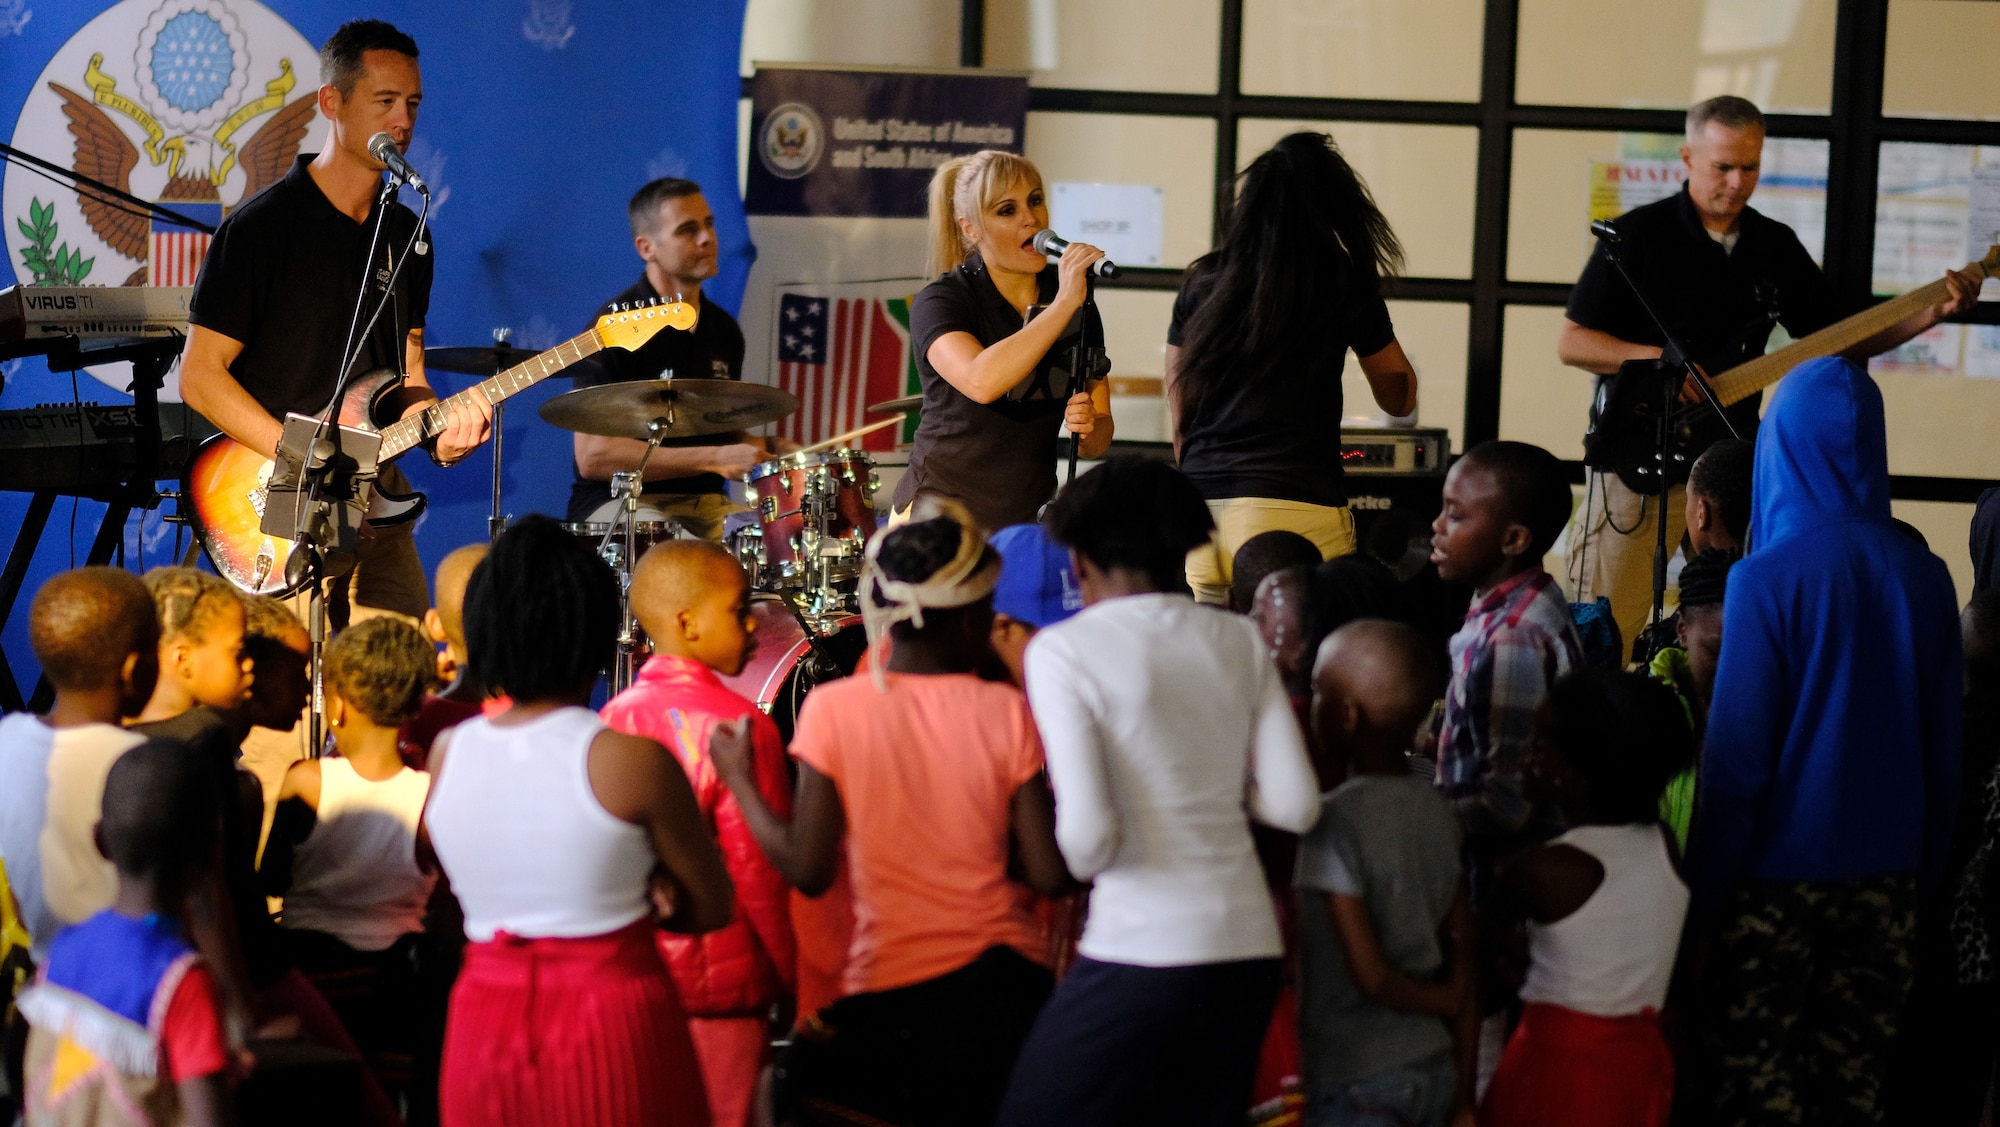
x=896 y=406
x=690 y=407
x=484 y=360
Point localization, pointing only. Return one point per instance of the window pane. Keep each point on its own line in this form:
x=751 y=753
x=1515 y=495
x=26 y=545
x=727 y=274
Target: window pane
x=1163 y=45
x=1939 y=60
x=1941 y=393
x=1420 y=50
x=1541 y=401
x=1433 y=334
x=1937 y=207
x=1670 y=53
x=1944 y=525
x=1422 y=176
x=909 y=33
x=1176 y=154
x=1559 y=176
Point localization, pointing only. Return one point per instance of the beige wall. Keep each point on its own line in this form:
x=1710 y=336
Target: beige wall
x=1167 y=45
x=1940 y=60
x=1421 y=50
x=1667 y=53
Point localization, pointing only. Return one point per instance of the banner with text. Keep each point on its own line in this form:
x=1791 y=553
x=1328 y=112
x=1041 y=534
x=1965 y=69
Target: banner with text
x=864 y=143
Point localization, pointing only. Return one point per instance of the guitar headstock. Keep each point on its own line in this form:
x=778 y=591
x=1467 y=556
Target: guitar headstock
x=632 y=325
x=1990 y=265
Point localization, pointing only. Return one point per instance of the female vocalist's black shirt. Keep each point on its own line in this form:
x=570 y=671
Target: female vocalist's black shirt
x=999 y=458
x=1278 y=435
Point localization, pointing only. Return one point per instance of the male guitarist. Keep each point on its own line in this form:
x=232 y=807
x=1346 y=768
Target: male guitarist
x=274 y=300
x=1717 y=272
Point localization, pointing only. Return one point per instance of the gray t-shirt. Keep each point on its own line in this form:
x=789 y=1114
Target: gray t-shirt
x=1393 y=842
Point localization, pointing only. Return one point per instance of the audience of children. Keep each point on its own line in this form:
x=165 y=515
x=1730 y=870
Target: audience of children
x=1264 y=554
x=1830 y=767
x=551 y=826
x=1388 y=1021
x=693 y=599
x=1688 y=668
x=929 y=779
x=124 y=1018
x=625 y=879
x=343 y=846
x=1604 y=905
x=1504 y=505
x=1037 y=588
x=1166 y=731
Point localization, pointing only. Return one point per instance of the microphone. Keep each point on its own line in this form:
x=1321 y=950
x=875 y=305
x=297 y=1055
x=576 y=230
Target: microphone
x=1604 y=230
x=1049 y=243
x=383 y=148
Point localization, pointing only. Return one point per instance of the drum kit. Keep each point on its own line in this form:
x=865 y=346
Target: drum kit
x=810 y=515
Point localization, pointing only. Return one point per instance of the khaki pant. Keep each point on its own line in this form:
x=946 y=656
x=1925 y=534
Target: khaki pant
x=1330 y=528
x=1611 y=539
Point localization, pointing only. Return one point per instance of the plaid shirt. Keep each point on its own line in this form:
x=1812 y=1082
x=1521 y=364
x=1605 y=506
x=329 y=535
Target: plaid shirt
x=1515 y=642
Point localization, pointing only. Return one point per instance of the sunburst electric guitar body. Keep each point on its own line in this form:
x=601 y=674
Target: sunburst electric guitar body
x=225 y=486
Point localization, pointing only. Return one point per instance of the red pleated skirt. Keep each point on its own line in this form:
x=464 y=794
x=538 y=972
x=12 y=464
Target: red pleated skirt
x=1580 y=1070
x=569 y=1033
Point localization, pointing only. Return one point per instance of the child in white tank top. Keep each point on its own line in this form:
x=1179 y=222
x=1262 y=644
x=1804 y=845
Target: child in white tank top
x=343 y=847
x=1603 y=903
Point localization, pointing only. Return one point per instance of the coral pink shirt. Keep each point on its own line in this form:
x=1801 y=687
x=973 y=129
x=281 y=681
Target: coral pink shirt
x=927 y=772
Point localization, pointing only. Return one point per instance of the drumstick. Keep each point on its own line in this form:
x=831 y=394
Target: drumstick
x=840 y=438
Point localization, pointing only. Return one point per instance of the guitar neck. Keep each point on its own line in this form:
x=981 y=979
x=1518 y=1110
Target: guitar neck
x=398 y=437
x=1752 y=376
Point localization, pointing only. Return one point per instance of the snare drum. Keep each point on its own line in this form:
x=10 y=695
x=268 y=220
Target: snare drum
x=828 y=492
x=785 y=667
x=645 y=534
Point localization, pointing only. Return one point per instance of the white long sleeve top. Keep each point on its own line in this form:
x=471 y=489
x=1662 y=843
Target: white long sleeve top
x=1166 y=730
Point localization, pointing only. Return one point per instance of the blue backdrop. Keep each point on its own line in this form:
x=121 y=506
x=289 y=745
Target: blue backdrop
x=540 y=118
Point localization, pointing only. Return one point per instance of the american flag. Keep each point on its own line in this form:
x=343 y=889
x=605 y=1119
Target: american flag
x=838 y=355
x=174 y=251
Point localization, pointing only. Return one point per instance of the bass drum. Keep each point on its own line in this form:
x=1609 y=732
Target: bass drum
x=787 y=665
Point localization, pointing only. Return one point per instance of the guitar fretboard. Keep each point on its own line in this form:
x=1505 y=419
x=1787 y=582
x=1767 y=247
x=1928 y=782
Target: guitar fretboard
x=399 y=436
x=1752 y=376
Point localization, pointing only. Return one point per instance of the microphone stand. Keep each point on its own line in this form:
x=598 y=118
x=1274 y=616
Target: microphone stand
x=1082 y=362
x=1676 y=367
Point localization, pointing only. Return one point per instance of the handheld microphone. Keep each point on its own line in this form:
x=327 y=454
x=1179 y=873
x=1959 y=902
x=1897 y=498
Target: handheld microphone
x=1604 y=230
x=1049 y=243
x=383 y=148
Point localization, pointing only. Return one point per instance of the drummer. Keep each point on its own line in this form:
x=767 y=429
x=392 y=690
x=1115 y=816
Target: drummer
x=996 y=390
x=674 y=233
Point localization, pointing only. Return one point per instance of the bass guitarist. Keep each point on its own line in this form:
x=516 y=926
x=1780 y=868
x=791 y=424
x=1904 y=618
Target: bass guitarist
x=272 y=306
x=1718 y=273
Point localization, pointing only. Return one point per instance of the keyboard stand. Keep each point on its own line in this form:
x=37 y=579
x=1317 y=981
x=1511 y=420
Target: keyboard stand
x=151 y=360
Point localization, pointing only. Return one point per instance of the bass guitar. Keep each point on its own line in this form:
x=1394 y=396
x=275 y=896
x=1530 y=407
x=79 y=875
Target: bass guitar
x=1624 y=436
x=224 y=489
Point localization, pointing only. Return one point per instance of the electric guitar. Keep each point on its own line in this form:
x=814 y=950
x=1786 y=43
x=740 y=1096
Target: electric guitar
x=224 y=488
x=1624 y=435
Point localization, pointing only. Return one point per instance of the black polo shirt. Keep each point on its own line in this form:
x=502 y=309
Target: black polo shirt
x=1278 y=435
x=713 y=351
x=999 y=458
x=1709 y=297
x=281 y=277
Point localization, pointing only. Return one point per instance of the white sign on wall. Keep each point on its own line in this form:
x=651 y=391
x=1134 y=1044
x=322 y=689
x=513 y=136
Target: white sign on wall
x=1122 y=219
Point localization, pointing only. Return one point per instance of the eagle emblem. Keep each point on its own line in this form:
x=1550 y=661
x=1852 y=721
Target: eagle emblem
x=177 y=116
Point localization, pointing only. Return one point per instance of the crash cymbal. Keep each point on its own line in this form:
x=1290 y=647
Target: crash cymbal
x=485 y=360
x=690 y=407
x=896 y=406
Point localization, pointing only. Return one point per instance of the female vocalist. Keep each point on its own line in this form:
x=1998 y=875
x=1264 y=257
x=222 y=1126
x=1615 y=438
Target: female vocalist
x=1260 y=333
x=995 y=367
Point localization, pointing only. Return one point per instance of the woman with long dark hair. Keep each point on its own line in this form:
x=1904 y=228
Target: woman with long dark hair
x=993 y=336
x=1259 y=337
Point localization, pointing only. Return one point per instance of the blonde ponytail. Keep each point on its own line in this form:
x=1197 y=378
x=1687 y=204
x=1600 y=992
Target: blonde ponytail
x=965 y=186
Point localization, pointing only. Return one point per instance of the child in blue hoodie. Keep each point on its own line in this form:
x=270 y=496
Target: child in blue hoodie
x=1830 y=772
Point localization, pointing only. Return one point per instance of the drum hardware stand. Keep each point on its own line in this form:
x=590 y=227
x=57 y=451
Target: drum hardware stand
x=496 y=523
x=621 y=541
x=1676 y=367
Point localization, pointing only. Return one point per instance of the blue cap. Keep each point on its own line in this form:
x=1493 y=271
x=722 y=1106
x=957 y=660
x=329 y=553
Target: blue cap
x=1036 y=585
